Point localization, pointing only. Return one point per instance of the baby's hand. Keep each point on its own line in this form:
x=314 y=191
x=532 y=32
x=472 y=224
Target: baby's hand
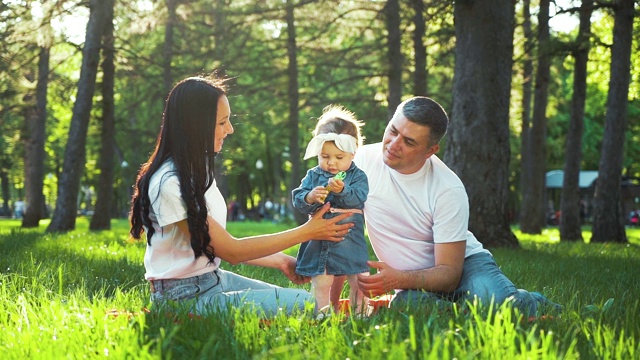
x=317 y=195
x=335 y=185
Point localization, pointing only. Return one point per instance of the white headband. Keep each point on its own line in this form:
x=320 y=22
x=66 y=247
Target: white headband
x=344 y=142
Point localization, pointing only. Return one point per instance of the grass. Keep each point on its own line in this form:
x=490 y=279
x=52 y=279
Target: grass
x=57 y=294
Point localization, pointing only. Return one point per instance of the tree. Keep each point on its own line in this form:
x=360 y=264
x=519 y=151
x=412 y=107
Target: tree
x=527 y=76
x=293 y=97
x=478 y=143
x=570 y=224
x=101 y=219
x=533 y=211
x=167 y=50
x=419 y=49
x=34 y=146
x=608 y=220
x=24 y=77
x=64 y=216
x=394 y=55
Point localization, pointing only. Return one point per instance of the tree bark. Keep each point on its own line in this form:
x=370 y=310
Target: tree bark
x=34 y=148
x=533 y=210
x=608 y=220
x=167 y=50
x=478 y=144
x=294 y=115
x=527 y=75
x=64 y=216
x=421 y=72
x=4 y=189
x=570 y=221
x=101 y=219
x=394 y=54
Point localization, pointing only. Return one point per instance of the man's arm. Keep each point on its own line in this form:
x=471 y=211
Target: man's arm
x=444 y=277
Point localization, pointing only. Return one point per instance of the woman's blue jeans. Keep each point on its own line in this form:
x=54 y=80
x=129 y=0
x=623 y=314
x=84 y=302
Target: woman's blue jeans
x=220 y=289
x=483 y=279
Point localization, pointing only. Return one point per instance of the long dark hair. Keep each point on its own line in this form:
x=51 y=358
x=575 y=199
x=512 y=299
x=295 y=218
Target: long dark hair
x=187 y=137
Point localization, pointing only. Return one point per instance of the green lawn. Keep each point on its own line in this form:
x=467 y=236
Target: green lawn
x=83 y=295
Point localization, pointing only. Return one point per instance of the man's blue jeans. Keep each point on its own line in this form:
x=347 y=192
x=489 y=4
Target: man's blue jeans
x=482 y=278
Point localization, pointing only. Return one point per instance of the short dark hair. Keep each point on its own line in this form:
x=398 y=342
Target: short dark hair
x=427 y=112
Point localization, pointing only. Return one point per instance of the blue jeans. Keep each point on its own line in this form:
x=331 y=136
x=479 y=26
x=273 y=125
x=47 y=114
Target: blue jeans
x=482 y=278
x=220 y=289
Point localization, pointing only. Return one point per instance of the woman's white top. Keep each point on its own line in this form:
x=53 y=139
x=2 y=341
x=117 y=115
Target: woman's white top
x=170 y=255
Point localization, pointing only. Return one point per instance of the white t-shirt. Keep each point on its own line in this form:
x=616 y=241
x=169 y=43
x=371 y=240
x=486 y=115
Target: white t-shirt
x=406 y=214
x=170 y=255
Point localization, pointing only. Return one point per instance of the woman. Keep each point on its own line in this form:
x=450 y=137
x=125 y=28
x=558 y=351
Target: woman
x=179 y=207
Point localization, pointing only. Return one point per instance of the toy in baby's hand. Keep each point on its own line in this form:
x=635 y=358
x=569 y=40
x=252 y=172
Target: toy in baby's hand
x=339 y=176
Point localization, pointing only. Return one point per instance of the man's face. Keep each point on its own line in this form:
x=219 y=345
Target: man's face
x=405 y=144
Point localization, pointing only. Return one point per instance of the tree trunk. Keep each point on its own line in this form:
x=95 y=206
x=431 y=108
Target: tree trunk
x=4 y=189
x=101 y=219
x=294 y=115
x=608 y=220
x=570 y=221
x=527 y=75
x=167 y=50
x=34 y=148
x=219 y=33
x=533 y=210
x=421 y=72
x=64 y=216
x=269 y=170
x=478 y=144
x=394 y=55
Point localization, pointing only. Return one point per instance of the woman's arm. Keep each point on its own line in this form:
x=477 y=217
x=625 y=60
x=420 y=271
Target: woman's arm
x=236 y=250
x=284 y=263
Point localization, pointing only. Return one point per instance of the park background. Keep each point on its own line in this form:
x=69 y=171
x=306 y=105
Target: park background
x=83 y=86
x=531 y=87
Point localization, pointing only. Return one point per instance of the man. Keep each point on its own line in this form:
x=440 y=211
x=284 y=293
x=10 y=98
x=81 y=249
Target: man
x=417 y=215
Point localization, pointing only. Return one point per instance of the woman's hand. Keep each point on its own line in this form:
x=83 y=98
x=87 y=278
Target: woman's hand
x=328 y=229
x=283 y=262
x=236 y=250
x=288 y=268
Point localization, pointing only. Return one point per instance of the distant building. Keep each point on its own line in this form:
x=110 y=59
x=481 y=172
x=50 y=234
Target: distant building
x=587 y=179
x=629 y=190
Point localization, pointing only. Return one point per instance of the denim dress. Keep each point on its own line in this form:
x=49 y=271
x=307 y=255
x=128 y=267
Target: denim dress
x=346 y=257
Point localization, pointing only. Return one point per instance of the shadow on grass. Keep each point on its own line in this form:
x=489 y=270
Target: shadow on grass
x=52 y=261
x=575 y=275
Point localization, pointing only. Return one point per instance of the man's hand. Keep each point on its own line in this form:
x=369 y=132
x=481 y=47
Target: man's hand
x=444 y=277
x=385 y=280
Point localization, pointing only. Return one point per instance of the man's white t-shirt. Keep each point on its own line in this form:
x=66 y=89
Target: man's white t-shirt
x=170 y=255
x=406 y=214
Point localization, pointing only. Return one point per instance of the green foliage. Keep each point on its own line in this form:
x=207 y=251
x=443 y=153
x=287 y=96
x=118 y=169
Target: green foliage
x=341 y=57
x=83 y=293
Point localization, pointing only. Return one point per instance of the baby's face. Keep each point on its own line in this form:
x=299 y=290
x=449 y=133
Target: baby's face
x=334 y=160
